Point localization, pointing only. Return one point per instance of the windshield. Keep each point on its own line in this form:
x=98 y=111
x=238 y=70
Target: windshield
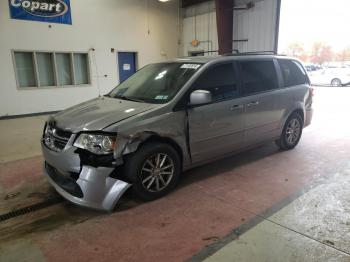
x=155 y=83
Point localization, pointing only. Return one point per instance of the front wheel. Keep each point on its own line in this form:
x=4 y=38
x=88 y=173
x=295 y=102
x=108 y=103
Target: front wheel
x=336 y=82
x=291 y=133
x=154 y=170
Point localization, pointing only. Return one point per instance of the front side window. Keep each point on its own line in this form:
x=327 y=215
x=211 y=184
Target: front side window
x=220 y=80
x=155 y=83
x=292 y=72
x=258 y=76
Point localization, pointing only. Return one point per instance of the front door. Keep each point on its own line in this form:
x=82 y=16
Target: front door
x=216 y=128
x=126 y=65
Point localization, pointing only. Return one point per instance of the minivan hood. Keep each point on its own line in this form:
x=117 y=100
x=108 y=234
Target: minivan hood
x=98 y=113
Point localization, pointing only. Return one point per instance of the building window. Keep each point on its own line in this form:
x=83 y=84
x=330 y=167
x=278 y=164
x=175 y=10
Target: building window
x=45 y=69
x=64 y=69
x=51 y=69
x=25 y=69
x=80 y=69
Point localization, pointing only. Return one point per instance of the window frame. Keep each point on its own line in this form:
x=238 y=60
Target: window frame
x=16 y=73
x=183 y=101
x=192 y=87
x=277 y=72
x=36 y=70
x=54 y=66
x=283 y=84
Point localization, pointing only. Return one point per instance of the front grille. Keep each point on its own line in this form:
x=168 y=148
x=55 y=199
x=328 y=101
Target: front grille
x=56 y=139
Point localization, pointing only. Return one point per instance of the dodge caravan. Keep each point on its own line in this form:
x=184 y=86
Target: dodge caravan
x=169 y=117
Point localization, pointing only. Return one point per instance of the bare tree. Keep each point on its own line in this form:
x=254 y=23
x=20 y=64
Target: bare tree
x=343 y=55
x=321 y=53
x=297 y=50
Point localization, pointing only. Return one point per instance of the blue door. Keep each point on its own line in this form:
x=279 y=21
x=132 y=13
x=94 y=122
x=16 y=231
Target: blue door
x=126 y=64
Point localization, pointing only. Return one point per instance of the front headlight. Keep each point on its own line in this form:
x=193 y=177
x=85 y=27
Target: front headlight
x=96 y=143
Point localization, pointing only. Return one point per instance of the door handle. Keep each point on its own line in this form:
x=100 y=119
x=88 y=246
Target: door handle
x=236 y=107
x=253 y=103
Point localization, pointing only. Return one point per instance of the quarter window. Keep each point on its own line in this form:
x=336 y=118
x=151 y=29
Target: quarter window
x=292 y=72
x=258 y=76
x=49 y=69
x=220 y=80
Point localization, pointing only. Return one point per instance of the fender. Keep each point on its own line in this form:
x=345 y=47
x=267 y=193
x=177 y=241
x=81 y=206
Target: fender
x=298 y=106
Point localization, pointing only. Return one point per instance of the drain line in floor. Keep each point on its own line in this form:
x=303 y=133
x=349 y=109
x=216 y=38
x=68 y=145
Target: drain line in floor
x=29 y=209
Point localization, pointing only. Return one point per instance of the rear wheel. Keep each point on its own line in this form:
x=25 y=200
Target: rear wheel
x=336 y=82
x=291 y=133
x=154 y=170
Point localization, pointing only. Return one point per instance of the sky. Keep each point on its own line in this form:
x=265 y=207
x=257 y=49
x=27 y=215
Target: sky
x=309 y=21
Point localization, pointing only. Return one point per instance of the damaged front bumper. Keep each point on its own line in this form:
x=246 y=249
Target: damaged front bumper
x=84 y=185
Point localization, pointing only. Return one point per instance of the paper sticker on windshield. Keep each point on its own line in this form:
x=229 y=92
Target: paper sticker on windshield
x=161 y=97
x=190 y=66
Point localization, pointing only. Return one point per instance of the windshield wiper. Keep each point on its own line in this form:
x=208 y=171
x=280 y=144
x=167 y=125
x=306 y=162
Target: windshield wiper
x=129 y=98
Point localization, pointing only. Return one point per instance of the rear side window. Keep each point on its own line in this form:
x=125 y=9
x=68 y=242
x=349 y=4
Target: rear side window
x=220 y=80
x=292 y=72
x=258 y=76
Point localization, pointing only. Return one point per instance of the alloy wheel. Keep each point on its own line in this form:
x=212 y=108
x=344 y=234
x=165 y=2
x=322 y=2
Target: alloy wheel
x=293 y=131
x=157 y=172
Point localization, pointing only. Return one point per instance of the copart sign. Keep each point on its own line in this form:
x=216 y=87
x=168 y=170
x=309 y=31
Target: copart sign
x=51 y=11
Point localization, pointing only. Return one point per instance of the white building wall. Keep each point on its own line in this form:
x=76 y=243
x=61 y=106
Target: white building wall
x=102 y=25
x=200 y=23
x=257 y=25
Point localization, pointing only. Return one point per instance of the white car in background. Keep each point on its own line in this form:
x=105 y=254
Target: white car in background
x=331 y=76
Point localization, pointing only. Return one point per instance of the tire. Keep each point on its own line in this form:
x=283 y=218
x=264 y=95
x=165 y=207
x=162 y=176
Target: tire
x=292 y=131
x=336 y=82
x=149 y=181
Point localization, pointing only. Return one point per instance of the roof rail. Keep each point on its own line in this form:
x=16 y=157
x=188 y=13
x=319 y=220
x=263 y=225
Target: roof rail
x=251 y=53
x=205 y=52
x=236 y=52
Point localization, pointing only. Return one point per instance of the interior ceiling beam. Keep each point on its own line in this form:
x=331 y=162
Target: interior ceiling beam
x=242 y=4
x=224 y=21
x=187 y=3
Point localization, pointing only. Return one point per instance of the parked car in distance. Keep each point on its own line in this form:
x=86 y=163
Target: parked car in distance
x=169 y=117
x=331 y=76
x=312 y=68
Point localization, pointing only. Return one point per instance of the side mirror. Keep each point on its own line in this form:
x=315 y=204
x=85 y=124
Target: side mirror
x=200 y=97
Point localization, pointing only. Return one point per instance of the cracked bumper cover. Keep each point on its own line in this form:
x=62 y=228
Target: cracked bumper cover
x=94 y=187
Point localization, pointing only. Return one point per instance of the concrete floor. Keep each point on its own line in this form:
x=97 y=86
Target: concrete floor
x=28 y=130
x=262 y=205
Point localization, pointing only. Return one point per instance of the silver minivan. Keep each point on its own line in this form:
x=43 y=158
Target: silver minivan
x=169 y=117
